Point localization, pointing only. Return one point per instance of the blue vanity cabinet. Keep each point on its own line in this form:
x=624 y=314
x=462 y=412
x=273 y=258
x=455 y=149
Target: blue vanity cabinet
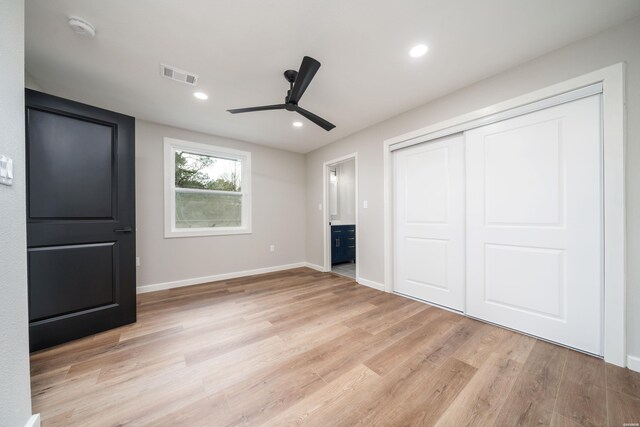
x=343 y=243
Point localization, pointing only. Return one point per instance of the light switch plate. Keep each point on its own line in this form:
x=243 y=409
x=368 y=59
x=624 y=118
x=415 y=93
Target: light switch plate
x=6 y=170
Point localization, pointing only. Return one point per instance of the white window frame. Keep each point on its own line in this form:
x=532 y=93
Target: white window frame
x=171 y=145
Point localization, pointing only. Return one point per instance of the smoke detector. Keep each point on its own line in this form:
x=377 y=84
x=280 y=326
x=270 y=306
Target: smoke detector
x=81 y=26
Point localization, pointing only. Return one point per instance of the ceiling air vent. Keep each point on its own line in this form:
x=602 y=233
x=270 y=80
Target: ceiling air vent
x=178 y=75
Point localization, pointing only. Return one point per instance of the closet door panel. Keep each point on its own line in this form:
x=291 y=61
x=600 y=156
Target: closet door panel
x=534 y=224
x=429 y=222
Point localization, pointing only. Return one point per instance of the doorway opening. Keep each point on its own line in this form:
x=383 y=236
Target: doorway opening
x=341 y=216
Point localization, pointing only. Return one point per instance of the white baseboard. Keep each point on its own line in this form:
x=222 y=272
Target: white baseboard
x=314 y=266
x=370 y=283
x=225 y=276
x=633 y=363
x=34 y=421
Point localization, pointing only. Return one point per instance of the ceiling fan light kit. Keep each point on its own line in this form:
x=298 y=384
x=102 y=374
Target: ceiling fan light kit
x=298 y=83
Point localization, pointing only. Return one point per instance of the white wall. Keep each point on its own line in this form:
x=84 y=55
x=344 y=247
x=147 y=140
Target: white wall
x=30 y=83
x=618 y=44
x=278 y=197
x=15 y=392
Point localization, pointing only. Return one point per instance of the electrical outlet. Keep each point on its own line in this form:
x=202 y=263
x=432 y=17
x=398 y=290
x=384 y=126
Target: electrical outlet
x=272 y=248
x=365 y=204
x=137 y=261
x=319 y=206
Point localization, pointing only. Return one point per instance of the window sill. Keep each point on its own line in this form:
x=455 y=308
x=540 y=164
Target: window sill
x=173 y=234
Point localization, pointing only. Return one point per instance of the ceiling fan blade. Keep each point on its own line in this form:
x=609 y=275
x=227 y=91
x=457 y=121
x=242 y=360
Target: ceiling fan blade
x=262 y=108
x=315 y=119
x=308 y=69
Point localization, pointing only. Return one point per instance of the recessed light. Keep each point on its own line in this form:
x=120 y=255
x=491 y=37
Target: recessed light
x=201 y=95
x=297 y=124
x=418 y=51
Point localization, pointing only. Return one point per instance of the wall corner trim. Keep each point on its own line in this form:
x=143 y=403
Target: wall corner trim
x=314 y=266
x=633 y=363
x=370 y=283
x=34 y=421
x=224 y=276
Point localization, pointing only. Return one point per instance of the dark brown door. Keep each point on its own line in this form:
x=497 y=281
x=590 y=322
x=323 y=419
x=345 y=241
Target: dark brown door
x=80 y=219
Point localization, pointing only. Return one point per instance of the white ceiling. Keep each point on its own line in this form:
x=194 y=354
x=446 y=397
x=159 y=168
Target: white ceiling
x=240 y=49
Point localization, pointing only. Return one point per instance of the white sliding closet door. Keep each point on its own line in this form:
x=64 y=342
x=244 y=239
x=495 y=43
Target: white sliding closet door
x=534 y=224
x=429 y=221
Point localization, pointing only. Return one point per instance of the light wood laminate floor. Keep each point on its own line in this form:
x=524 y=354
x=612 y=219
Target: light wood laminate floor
x=302 y=347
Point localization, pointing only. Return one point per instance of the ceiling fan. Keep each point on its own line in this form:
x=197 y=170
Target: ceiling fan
x=298 y=83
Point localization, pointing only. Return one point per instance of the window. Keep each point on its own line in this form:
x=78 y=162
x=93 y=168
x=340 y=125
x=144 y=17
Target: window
x=207 y=189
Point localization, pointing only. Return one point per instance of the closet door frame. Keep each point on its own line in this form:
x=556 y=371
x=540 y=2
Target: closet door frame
x=609 y=81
